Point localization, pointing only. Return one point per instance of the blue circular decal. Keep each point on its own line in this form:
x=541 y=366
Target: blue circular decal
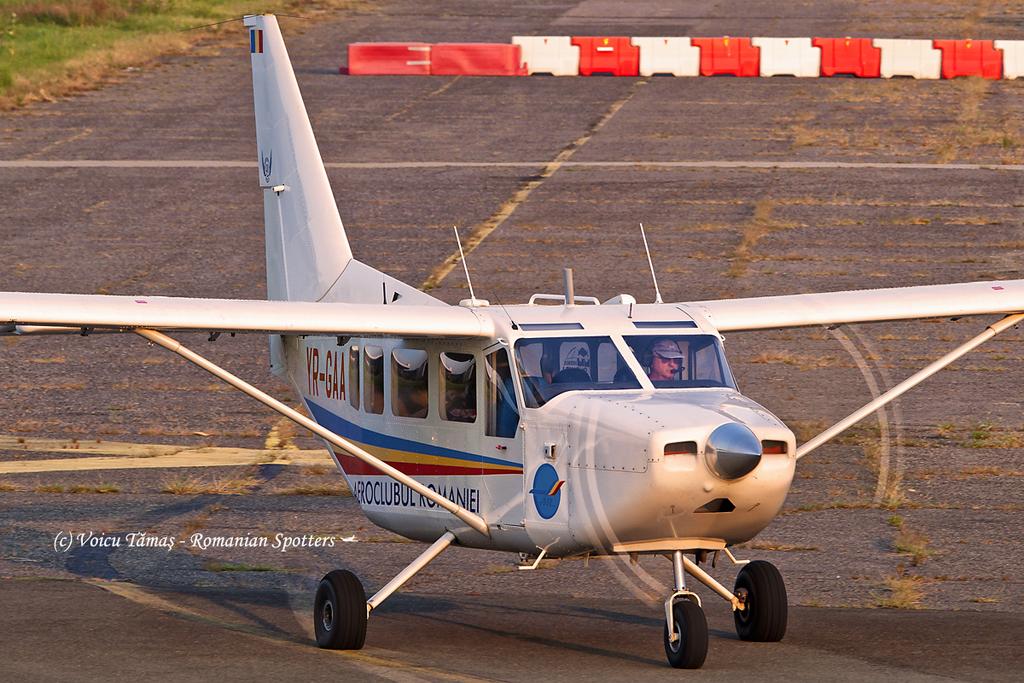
x=547 y=491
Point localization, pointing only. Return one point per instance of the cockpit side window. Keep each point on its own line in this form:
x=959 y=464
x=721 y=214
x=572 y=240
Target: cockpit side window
x=502 y=409
x=682 y=361
x=551 y=366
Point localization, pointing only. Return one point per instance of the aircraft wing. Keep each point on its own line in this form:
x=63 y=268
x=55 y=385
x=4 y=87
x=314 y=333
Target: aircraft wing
x=861 y=306
x=30 y=313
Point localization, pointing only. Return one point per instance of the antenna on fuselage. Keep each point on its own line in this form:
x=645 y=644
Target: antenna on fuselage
x=650 y=263
x=465 y=267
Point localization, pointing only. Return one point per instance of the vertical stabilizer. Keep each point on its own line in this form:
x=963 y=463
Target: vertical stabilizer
x=306 y=245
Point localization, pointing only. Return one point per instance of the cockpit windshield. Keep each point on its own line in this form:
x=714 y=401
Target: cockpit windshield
x=551 y=366
x=682 y=361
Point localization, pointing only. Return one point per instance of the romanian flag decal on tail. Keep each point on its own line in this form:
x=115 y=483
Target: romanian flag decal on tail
x=256 y=41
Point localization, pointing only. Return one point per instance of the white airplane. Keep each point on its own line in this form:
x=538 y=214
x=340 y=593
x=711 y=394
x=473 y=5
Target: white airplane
x=567 y=429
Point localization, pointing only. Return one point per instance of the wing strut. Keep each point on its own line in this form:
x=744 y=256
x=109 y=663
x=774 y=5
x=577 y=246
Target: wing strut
x=909 y=383
x=472 y=519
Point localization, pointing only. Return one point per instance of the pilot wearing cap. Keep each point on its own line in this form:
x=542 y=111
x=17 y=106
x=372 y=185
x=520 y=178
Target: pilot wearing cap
x=666 y=361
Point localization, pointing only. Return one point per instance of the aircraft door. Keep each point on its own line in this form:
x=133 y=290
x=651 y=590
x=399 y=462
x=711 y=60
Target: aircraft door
x=545 y=463
x=502 y=441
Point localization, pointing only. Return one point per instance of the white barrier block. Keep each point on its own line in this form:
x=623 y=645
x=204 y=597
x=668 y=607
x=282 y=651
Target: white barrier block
x=917 y=58
x=555 y=55
x=789 y=57
x=674 y=56
x=1013 y=57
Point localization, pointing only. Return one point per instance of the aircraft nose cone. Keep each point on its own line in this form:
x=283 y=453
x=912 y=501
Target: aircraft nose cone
x=732 y=451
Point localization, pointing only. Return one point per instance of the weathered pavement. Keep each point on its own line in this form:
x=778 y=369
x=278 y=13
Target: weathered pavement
x=737 y=203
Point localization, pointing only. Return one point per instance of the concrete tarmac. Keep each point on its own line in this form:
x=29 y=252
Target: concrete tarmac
x=66 y=630
x=746 y=186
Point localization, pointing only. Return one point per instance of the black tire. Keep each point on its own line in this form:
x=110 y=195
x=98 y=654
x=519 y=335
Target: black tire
x=765 y=612
x=691 y=649
x=339 y=612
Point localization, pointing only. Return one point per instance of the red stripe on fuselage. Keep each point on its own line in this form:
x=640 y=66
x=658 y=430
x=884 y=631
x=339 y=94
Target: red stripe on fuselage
x=353 y=465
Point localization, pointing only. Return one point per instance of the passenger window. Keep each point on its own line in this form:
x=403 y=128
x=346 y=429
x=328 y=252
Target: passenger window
x=409 y=397
x=353 y=376
x=458 y=387
x=373 y=379
x=502 y=410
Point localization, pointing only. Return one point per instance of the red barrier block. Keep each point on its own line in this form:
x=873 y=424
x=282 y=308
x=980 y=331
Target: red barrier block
x=728 y=56
x=613 y=55
x=970 y=58
x=388 y=59
x=476 y=59
x=855 y=56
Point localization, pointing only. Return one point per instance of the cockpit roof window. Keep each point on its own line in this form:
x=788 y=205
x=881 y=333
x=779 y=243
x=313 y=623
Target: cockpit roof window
x=553 y=365
x=682 y=361
x=664 y=324
x=550 y=327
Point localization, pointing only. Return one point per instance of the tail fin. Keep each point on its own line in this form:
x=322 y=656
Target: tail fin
x=306 y=245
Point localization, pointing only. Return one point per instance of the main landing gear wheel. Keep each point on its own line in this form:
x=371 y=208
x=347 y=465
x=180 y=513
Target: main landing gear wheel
x=763 y=617
x=689 y=651
x=339 y=612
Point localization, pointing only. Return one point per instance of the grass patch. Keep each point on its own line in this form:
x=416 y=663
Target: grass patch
x=761 y=224
x=985 y=600
x=833 y=505
x=195 y=524
x=8 y=486
x=987 y=435
x=804 y=362
x=315 y=490
x=390 y=538
x=903 y=592
x=215 y=566
x=895 y=521
x=805 y=430
x=914 y=544
x=988 y=471
x=77 y=488
x=99 y=488
x=191 y=486
x=780 y=547
x=50 y=49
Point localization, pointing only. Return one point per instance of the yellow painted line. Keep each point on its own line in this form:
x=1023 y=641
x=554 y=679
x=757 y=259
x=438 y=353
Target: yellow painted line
x=114 y=455
x=505 y=211
x=87 y=447
x=390 y=669
x=276 y=440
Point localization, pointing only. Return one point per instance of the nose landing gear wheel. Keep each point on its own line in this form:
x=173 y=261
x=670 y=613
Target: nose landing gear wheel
x=689 y=651
x=764 y=614
x=339 y=612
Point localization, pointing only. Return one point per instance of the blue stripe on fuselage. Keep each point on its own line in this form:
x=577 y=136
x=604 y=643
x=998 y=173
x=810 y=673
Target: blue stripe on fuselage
x=354 y=432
